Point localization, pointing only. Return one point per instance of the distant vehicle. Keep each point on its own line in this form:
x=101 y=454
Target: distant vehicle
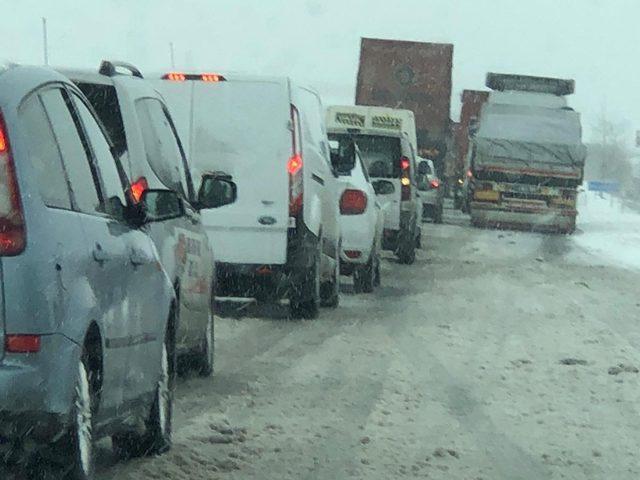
x=430 y=191
x=389 y=159
x=281 y=237
x=415 y=76
x=148 y=146
x=472 y=101
x=527 y=158
x=361 y=217
x=87 y=337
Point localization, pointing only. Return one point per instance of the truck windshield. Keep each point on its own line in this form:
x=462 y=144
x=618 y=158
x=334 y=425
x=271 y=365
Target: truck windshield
x=380 y=154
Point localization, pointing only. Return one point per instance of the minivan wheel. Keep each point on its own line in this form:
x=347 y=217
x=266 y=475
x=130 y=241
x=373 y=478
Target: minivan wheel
x=81 y=434
x=407 y=250
x=330 y=291
x=157 y=438
x=364 y=277
x=304 y=301
x=206 y=355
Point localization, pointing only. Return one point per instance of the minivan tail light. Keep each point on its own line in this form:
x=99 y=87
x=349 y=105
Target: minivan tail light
x=295 y=166
x=353 y=202
x=22 y=343
x=138 y=188
x=13 y=234
x=405 y=178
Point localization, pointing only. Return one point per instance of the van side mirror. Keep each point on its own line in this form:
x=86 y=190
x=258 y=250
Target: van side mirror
x=216 y=190
x=424 y=168
x=343 y=156
x=158 y=205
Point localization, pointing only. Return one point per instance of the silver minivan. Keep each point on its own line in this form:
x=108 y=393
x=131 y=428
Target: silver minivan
x=87 y=323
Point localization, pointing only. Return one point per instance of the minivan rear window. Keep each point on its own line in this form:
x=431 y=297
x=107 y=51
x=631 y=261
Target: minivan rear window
x=104 y=100
x=380 y=154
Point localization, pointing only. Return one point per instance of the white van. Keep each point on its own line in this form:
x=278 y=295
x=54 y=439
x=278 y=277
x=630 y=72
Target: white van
x=280 y=238
x=384 y=139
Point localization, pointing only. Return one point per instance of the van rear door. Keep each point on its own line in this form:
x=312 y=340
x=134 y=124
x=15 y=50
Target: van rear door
x=241 y=127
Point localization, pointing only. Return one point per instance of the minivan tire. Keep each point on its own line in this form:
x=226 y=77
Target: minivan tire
x=157 y=438
x=407 y=250
x=81 y=440
x=330 y=291
x=205 y=357
x=364 y=277
x=304 y=299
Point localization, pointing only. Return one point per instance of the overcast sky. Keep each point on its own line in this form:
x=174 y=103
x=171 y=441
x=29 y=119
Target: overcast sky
x=596 y=42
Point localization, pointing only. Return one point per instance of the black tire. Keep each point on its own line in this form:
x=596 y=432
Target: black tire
x=330 y=291
x=437 y=216
x=205 y=357
x=80 y=440
x=364 y=277
x=157 y=438
x=407 y=251
x=304 y=299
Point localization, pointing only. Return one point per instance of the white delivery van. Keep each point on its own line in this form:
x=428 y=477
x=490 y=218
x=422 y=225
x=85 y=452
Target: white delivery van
x=385 y=138
x=280 y=238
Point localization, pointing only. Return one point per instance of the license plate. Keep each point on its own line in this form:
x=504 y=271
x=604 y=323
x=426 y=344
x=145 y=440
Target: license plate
x=487 y=195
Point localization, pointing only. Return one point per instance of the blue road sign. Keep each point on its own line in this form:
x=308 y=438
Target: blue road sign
x=604 y=186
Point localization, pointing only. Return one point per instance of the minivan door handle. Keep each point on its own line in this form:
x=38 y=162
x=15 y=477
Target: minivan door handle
x=99 y=255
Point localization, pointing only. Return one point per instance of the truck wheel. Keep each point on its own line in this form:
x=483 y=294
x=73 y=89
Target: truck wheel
x=364 y=277
x=304 y=300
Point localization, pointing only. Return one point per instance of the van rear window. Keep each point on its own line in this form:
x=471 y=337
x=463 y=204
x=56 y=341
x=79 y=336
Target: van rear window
x=104 y=100
x=380 y=154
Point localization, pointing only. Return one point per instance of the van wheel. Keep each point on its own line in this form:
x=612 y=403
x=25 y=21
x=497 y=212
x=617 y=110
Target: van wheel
x=437 y=216
x=80 y=437
x=407 y=251
x=330 y=291
x=304 y=300
x=378 y=278
x=364 y=277
x=157 y=438
x=205 y=357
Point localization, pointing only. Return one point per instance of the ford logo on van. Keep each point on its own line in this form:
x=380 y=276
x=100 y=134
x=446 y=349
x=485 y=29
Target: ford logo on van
x=266 y=220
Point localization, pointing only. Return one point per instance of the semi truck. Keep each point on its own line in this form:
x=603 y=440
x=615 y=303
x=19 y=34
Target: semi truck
x=526 y=159
x=414 y=76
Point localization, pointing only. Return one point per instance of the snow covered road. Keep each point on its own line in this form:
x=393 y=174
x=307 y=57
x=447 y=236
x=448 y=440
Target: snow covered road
x=488 y=359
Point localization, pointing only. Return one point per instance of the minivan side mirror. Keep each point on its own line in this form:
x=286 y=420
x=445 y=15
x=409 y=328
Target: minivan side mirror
x=158 y=205
x=216 y=190
x=343 y=159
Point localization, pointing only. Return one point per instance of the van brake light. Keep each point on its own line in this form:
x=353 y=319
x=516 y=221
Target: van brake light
x=13 y=235
x=199 y=77
x=295 y=166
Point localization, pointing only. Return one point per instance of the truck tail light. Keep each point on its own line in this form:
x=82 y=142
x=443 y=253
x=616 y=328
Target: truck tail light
x=138 y=188
x=13 y=233
x=295 y=166
x=22 y=343
x=405 y=178
x=353 y=202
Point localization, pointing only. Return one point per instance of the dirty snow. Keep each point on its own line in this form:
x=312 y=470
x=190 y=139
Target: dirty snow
x=490 y=358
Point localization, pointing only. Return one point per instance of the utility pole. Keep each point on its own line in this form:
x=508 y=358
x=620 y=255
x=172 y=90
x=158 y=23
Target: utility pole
x=173 y=60
x=45 y=43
